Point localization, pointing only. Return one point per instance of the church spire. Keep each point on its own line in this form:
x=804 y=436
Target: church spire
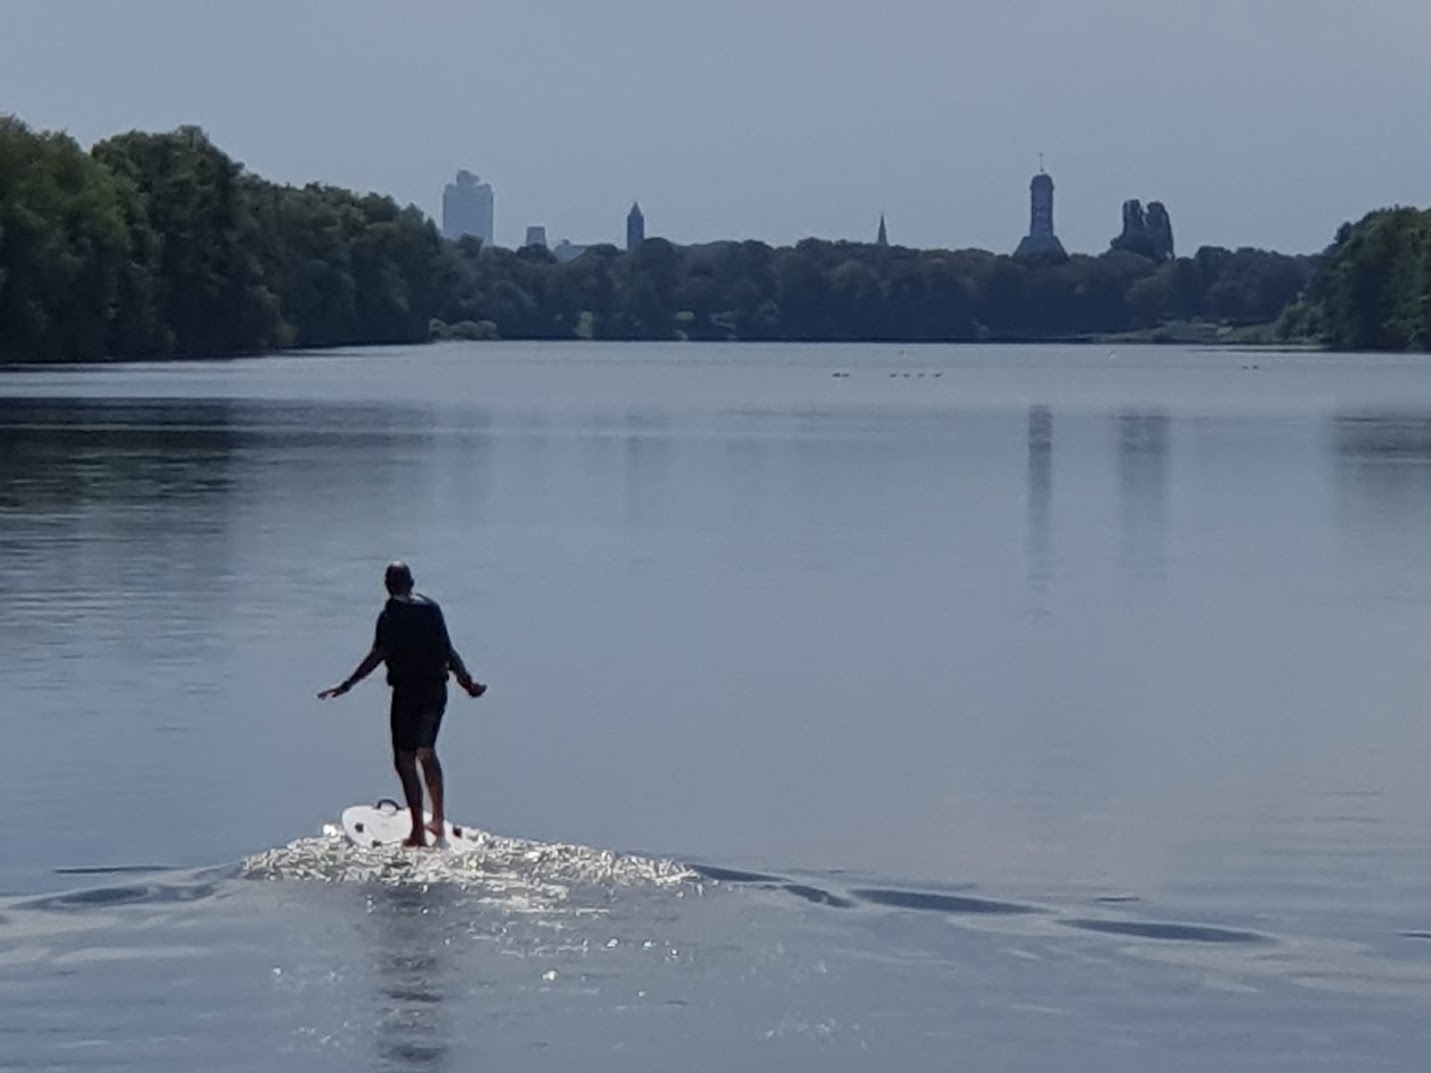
x=635 y=227
x=883 y=238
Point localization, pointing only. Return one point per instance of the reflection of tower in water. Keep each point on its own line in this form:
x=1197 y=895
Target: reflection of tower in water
x=1040 y=496
x=1143 y=440
x=648 y=461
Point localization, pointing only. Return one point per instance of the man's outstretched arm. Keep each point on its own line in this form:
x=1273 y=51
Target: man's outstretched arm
x=473 y=687
x=370 y=663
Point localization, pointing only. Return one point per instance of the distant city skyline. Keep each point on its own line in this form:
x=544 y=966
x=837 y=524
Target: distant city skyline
x=1312 y=118
x=467 y=209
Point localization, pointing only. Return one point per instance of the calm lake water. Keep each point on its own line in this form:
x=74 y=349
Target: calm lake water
x=990 y=708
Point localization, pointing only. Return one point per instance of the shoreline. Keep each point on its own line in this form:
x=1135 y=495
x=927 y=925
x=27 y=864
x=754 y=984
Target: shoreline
x=1133 y=339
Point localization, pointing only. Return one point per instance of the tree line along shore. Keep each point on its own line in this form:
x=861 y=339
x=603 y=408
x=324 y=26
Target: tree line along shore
x=154 y=245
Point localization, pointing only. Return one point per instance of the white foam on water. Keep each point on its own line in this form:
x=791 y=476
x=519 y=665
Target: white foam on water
x=519 y=874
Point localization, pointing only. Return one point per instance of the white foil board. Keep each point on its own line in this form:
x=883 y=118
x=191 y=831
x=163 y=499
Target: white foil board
x=386 y=824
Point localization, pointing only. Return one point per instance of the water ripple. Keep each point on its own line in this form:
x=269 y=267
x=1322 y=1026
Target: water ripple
x=817 y=896
x=940 y=903
x=128 y=894
x=733 y=875
x=1184 y=933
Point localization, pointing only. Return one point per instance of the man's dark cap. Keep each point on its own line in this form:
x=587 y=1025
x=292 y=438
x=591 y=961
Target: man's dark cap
x=397 y=577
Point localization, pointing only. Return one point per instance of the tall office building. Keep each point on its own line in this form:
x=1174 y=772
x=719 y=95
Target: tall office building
x=467 y=208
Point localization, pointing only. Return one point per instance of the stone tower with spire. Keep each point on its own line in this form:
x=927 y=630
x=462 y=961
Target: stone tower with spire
x=635 y=228
x=882 y=239
x=1041 y=243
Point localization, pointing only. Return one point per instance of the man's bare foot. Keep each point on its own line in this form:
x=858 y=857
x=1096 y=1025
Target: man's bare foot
x=415 y=840
x=438 y=827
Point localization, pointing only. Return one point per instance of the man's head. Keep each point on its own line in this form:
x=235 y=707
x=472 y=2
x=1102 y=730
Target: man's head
x=398 y=578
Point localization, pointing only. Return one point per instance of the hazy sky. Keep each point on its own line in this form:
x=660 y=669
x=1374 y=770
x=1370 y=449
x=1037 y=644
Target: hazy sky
x=1258 y=122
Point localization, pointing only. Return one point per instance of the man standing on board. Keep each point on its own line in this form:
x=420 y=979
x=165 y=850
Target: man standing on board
x=411 y=638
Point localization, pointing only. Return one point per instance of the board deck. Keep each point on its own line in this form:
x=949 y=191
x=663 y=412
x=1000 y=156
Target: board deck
x=386 y=823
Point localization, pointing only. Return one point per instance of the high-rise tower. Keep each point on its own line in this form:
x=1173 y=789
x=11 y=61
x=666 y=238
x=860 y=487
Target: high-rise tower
x=1041 y=242
x=467 y=208
x=635 y=228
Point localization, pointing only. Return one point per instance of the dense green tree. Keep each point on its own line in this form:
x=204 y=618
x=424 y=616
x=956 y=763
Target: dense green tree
x=1374 y=290
x=67 y=289
x=161 y=244
x=210 y=288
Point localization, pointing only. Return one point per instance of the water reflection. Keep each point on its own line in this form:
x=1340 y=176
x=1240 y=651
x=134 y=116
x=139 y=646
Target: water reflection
x=467 y=456
x=1039 y=480
x=648 y=464
x=750 y=480
x=1383 y=468
x=1383 y=436
x=411 y=969
x=1385 y=458
x=1143 y=445
x=97 y=494
x=55 y=452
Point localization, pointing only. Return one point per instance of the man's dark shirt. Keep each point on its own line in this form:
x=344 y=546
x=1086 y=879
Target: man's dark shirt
x=412 y=636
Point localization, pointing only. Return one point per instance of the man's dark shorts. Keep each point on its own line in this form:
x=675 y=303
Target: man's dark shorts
x=416 y=716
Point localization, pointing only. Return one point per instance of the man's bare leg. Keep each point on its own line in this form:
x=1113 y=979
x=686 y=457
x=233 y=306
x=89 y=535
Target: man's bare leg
x=432 y=773
x=406 y=764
